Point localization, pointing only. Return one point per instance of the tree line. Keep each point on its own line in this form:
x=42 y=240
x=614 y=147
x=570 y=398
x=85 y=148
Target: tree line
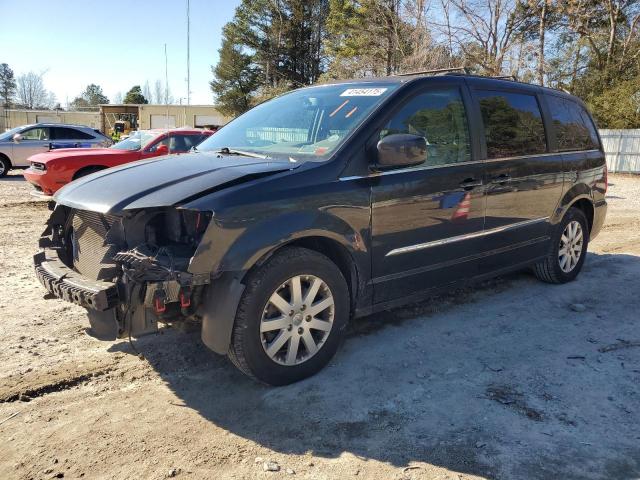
x=28 y=91
x=590 y=48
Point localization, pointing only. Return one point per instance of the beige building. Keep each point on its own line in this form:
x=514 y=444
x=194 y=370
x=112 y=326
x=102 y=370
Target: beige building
x=11 y=118
x=141 y=116
x=162 y=116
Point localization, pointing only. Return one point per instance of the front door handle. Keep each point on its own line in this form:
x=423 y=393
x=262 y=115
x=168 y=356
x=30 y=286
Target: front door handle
x=470 y=183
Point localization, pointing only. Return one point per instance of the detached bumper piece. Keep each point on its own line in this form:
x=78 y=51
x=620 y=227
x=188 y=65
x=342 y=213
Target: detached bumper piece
x=69 y=285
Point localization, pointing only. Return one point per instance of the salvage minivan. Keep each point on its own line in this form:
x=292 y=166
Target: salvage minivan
x=327 y=203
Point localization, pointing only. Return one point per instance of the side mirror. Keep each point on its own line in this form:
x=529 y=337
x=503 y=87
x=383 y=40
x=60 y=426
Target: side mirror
x=401 y=150
x=17 y=138
x=162 y=150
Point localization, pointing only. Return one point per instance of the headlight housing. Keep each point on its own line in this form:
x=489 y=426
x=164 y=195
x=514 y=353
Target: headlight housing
x=38 y=166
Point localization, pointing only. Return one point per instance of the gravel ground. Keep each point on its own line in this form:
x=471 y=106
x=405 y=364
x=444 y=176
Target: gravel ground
x=512 y=379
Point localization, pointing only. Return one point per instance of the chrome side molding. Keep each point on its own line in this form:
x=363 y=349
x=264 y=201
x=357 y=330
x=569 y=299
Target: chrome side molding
x=467 y=236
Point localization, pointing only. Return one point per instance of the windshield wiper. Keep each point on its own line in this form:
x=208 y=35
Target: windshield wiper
x=233 y=151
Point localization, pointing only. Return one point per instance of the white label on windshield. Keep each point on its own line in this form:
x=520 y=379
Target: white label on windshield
x=363 y=92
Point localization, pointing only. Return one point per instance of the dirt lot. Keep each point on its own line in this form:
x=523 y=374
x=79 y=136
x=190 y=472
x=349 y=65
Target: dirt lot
x=503 y=381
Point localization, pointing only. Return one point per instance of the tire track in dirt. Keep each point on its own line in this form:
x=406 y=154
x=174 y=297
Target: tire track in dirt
x=38 y=384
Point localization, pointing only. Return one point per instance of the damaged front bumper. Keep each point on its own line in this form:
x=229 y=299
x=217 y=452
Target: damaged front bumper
x=63 y=282
x=132 y=272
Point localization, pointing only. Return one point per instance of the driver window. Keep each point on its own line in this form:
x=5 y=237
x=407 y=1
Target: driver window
x=36 y=134
x=438 y=116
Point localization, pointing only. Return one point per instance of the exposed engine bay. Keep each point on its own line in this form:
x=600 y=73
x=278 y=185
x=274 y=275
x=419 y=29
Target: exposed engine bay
x=144 y=254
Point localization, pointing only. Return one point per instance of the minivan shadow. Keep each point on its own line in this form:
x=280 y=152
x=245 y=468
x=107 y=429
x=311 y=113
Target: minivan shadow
x=512 y=379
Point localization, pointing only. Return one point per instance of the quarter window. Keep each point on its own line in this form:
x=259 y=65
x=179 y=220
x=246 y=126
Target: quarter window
x=572 y=124
x=512 y=124
x=438 y=116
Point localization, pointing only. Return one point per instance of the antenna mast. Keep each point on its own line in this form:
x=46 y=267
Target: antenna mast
x=188 y=56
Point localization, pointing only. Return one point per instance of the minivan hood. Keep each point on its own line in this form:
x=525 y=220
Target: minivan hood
x=162 y=181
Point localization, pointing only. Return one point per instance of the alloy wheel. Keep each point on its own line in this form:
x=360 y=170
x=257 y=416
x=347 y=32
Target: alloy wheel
x=297 y=320
x=571 y=244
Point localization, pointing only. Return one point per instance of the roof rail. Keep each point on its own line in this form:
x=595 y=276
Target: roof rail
x=462 y=70
x=456 y=71
x=506 y=77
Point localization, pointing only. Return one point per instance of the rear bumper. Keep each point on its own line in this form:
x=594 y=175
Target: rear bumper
x=599 y=215
x=69 y=285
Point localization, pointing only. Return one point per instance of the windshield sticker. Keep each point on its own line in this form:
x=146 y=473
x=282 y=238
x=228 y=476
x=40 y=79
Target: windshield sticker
x=363 y=92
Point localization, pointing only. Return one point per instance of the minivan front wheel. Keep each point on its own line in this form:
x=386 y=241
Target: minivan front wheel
x=291 y=317
x=567 y=251
x=5 y=166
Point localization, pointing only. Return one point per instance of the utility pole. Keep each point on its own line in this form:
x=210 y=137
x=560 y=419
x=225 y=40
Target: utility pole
x=166 y=86
x=188 y=56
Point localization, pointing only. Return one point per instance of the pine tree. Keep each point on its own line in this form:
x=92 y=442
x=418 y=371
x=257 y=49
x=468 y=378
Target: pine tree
x=7 y=84
x=135 y=96
x=236 y=76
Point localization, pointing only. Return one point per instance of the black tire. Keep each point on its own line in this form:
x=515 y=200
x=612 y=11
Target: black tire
x=549 y=269
x=246 y=350
x=86 y=171
x=5 y=166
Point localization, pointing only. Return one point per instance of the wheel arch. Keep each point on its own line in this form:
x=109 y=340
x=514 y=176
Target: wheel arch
x=88 y=169
x=330 y=248
x=586 y=205
x=243 y=253
x=579 y=196
x=4 y=156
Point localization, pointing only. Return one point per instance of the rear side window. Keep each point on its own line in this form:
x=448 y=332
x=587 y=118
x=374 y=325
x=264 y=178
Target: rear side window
x=438 y=116
x=572 y=124
x=63 y=133
x=512 y=124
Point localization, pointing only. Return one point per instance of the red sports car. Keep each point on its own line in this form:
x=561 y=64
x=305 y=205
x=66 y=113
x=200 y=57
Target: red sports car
x=52 y=170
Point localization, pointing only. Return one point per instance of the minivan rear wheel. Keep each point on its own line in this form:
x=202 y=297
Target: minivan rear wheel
x=567 y=251
x=291 y=317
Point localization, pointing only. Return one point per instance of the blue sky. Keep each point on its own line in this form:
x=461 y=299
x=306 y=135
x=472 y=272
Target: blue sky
x=114 y=44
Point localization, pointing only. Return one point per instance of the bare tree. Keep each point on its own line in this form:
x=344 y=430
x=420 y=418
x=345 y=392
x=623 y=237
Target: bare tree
x=609 y=45
x=421 y=51
x=159 y=96
x=31 y=92
x=117 y=98
x=146 y=91
x=485 y=31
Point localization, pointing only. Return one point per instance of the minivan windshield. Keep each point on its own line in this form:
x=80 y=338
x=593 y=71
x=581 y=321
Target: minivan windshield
x=135 y=141
x=309 y=123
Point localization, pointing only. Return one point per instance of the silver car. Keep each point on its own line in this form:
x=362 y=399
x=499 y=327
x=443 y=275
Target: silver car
x=18 y=144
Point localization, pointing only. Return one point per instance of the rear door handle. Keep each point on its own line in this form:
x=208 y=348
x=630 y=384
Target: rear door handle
x=470 y=183
x=501 y=179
